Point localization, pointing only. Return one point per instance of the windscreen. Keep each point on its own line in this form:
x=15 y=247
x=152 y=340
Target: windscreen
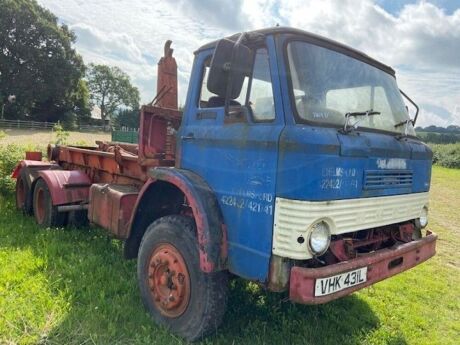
x=327 y=85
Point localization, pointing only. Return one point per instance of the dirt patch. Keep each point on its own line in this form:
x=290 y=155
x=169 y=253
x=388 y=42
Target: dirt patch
x=43 y=137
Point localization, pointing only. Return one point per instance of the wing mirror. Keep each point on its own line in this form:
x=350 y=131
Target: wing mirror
x=230 y=64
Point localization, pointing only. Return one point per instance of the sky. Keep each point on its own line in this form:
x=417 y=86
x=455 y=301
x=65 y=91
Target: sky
x=419 y=39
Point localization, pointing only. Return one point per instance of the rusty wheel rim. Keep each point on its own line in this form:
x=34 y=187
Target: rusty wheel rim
x=20 y=193
x=169 y=281
x=40 y=206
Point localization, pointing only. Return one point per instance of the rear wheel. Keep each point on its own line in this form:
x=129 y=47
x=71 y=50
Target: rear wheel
x=175 y=291
x=23 y=195
x=45 y=213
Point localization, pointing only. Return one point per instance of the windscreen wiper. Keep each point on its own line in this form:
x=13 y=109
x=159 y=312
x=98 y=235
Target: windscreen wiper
x=357 y=113
x=406 y=127
x=363 y=113
x=405 y=122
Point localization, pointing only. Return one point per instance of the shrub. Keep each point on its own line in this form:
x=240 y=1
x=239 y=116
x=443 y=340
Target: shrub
x=447 y=155
x=10 y=155
x=61 y=134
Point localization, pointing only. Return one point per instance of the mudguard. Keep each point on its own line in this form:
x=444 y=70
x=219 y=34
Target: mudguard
x=211 y=232
x=67 y=186
x=32 y=168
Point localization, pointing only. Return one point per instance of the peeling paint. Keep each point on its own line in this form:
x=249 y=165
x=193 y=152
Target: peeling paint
x=250 y=200
x=339 y=172
x=338 y=183
x=392 y=163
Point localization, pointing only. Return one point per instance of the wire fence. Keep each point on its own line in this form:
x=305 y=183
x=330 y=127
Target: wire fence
x=21 y=124
x=92 y=128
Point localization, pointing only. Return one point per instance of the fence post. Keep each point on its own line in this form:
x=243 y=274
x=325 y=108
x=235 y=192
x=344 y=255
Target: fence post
x=18 y=124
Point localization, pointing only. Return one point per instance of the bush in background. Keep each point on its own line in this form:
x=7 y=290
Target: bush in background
x=447 y=155
x=439 y=138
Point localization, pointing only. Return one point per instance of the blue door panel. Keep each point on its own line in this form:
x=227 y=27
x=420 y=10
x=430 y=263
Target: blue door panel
x=242 y=174
x=239 y=162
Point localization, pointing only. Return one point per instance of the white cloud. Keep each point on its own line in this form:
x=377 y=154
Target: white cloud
x=221 y=14
x=422 y=42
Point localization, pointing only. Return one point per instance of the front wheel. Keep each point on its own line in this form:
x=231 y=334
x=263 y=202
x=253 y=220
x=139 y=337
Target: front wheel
x=176 y=292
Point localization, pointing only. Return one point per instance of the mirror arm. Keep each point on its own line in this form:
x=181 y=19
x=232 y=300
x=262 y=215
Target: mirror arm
x=413 y=103
x=230 y=78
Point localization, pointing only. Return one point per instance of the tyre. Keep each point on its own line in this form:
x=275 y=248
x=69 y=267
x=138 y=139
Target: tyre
x=175 y=291
x=23 y=194
x=46 y=215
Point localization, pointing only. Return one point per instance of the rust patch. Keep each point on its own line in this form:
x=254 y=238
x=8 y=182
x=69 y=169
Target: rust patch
x=34 y=156
x=169 y=281
x=112 y=206
x=211 y=237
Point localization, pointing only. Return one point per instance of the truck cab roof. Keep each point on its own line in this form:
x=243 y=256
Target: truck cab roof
x=256 y=35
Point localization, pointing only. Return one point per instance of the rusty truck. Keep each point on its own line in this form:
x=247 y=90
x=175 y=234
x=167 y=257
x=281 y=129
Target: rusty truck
x=294 y=164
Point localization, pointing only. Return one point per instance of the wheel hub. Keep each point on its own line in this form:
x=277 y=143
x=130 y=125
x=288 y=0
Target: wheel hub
x=169 y=280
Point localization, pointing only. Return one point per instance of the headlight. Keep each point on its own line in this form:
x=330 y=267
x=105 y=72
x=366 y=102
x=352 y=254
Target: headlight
x=424 y=217
x=320 y=237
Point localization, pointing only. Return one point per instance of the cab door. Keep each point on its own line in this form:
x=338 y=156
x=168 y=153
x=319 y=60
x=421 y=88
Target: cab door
x=237 y=156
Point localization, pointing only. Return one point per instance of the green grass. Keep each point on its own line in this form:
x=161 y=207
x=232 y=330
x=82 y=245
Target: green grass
x=69 y=286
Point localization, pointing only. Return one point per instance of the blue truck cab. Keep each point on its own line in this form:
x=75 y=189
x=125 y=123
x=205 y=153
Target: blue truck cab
x=302 y=171
x=295 y=161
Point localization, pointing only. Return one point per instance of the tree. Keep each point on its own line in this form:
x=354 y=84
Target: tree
x=37 y=62
x=81 y=101
x=111 y=89
x=127 y=118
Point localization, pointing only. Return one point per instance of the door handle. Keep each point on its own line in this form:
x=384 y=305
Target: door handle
x=189 y=136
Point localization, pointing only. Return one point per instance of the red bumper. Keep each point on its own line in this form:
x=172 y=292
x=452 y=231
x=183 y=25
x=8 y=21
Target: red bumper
x=380 y=265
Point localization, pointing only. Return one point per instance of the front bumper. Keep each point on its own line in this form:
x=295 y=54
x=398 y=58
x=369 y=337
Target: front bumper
x=380 y=265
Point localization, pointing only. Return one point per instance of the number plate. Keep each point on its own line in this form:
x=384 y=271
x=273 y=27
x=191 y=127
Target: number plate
x=326 y=286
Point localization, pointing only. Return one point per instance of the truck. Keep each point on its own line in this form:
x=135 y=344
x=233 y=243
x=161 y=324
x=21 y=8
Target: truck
x=294 y=164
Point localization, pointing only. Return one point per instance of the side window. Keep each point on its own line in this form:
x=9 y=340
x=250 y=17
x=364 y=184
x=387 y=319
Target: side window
x=261 y=100
x=257 y=91
x=211 y=100
x=205 y=94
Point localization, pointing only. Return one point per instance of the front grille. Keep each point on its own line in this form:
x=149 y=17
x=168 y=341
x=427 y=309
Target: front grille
x=376 y=179
x=294 y=217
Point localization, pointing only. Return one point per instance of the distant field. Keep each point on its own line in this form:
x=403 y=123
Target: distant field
x=439 y=138
x=69 y=286
x=28 y=136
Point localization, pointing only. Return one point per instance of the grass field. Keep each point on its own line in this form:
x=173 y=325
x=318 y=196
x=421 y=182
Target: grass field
x=68 y=286
x=34 y=137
